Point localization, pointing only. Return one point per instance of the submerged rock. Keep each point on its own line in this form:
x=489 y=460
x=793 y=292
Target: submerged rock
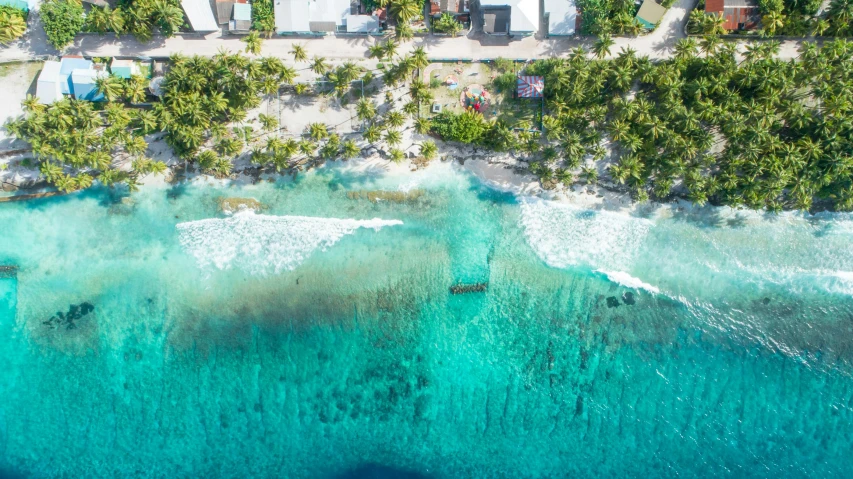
x=469 y=288
x=69 y=318
x=232 y=205
x=613 y=302
x=628 y=298
x=380 y=195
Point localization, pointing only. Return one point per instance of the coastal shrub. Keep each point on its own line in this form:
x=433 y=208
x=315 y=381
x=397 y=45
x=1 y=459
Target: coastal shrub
x=263 y=17
x=447 y=23
x=608 y=16
x=13 y=23
x=465 y=127
x=62 y=21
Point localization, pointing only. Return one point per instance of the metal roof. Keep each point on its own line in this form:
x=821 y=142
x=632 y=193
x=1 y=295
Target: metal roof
x=200 y=15
x=242 y=12
x=562 y=16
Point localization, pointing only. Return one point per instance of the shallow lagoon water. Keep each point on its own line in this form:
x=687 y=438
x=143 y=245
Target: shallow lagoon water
x=318 y=337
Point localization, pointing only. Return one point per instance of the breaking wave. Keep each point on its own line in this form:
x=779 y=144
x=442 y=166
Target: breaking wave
x=564 y=235
x=629 y=281
x=263 y=244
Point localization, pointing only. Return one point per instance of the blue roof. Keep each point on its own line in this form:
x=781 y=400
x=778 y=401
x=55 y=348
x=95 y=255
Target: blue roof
x=84 y=85
x=67 y=65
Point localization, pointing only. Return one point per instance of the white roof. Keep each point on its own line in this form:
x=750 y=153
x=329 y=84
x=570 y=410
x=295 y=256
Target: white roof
x=562 y=15
x=200 y=15
x=524 y=14
x=48 y=85
x=362 y=24
x=296 y=15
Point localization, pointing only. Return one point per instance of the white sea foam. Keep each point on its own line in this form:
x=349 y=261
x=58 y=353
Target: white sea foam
x=629 y=281
x=263 y=244
x=564 y=235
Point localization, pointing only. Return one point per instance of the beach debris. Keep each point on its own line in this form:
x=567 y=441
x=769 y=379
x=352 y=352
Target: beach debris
x=462 y=288
x=380 y=195
x=68 y=319
x=233 y=205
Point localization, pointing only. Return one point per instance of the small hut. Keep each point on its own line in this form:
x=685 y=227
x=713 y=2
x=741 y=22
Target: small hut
x=530 y=86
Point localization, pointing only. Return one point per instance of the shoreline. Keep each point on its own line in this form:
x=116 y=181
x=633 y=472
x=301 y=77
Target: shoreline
x=498 y=171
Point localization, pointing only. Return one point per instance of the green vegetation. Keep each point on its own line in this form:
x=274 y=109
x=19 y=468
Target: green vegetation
x=447 y=23
x=253 y=43
x=263 y=17
x=62 y=20
x=78 y=142
x=611 y=16
x=762 y=133
x=13 y=23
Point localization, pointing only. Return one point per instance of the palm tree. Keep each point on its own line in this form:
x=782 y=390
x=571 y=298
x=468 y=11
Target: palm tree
x=299 y=53
x=12 y=26
x=268 y=122
x=365 y=109
x=134 y=89
x=404 y=10
x=349 y=149
x=423 y=125
x=419 y=57
x=319 y=66
x=396 y=155
x=602 y=45
x=307 y=147
x=429 y=150
x=403 y=32
x=394 y=119
x=109 y=86
x=372 y=134
x=377 y=50
x=318 y=131
x=393 y=137
x=772 y=21
x=390 y=48
x=253 y=43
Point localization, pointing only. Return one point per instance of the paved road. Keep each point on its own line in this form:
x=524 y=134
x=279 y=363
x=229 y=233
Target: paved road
x=658 y=44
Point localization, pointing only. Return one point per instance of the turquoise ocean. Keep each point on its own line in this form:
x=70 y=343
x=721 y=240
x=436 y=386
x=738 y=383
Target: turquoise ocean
x=154 y=336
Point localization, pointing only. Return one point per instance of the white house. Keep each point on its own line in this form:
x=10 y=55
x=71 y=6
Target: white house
x=362 y=24
x=562 y=17
x=49 y=85
x=200 y=15
x=310 y=16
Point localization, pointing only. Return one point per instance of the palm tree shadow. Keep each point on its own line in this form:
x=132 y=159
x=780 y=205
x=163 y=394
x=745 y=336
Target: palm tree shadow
x=357 y=41
x=297 y=102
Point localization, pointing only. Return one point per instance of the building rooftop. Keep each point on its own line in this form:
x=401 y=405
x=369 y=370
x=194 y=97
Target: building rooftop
x=200 y=15
x=562 y=16
x=650 y=13
x=242 y=12
x=523 y=14
x=496 y=19
x=362 y=24
x=302 y=16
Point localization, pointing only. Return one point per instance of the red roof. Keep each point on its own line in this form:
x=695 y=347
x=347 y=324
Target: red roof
x=737 y=14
